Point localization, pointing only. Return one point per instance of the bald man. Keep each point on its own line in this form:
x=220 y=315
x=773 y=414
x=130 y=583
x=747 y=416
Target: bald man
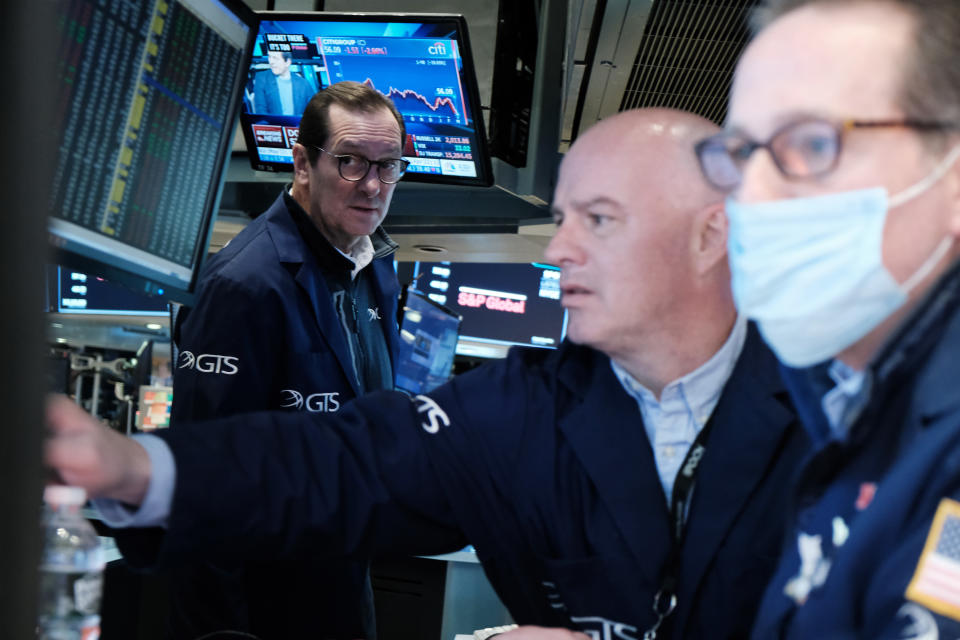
x=648 y=455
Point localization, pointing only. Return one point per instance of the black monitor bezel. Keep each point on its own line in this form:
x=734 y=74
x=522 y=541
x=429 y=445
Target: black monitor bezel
x=483 y=162
x=100 y=261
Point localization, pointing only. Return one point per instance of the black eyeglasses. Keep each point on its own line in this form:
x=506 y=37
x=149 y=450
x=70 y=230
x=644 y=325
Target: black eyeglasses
x=807 y=148
x=355 y=168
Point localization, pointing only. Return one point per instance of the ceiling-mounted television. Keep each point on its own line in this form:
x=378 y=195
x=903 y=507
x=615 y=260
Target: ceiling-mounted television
x=148 y=97
x=421 y=62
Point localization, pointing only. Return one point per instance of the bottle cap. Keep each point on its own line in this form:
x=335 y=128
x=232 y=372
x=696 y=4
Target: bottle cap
x=60 y=494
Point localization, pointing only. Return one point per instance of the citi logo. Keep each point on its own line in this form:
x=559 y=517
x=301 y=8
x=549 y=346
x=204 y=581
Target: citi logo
x=435 y=414
x=209 y=363
x=438 y=49
x=314 y=403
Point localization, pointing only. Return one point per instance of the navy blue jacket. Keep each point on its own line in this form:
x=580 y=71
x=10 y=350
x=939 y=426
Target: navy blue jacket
x=541 y=461
x=264 y=327
x=865 y=505
x=264 y=335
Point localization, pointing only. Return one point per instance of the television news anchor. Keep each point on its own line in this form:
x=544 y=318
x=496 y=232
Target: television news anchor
x=629 y=482
x=280 y=91
x=297 y=312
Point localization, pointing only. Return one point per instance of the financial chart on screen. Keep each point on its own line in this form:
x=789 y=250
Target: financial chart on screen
x=421 y=63
x=420 y=75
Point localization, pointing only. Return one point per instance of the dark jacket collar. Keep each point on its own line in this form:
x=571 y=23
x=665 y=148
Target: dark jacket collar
x=327 y=256
x=293 y=250
x=934 y=321
x=924 y=353
x=910 y=349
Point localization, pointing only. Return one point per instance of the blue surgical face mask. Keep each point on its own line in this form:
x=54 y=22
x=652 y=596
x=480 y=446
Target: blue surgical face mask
x=810 y=270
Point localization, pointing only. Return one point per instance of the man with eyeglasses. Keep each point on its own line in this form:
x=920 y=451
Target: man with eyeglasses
x=841 y=160
x=628 y=484
x=297 y=313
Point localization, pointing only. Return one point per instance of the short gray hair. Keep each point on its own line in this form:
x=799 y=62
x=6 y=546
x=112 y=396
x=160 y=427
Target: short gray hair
x=931 y=77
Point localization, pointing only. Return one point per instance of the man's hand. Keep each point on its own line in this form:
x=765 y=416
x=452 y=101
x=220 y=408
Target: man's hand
x=541 y=633
x=87 y=454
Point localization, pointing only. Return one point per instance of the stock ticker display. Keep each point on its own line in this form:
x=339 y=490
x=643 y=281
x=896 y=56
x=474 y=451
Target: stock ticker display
x=420 y=66
x=146 y=92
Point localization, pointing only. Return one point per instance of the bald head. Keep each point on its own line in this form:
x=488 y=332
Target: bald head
x=643 y=162
x=641 y=242
x=654 y=149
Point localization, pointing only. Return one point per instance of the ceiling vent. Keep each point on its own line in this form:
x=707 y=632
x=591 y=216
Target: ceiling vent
x=687 y=56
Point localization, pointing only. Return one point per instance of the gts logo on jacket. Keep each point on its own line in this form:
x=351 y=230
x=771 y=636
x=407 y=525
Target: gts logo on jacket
x=209 y=363
x=314 y=403
x=435 y=414
x=597 y=627
x=602 y=629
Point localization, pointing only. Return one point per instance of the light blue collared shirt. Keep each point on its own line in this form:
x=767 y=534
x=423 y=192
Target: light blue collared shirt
x=285 y=91
x=675 y=420
x=154 y=511
x=836 y=401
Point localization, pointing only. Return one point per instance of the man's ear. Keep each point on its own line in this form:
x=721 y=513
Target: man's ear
x=709 y=237
x=953 y=204
x=301 y=165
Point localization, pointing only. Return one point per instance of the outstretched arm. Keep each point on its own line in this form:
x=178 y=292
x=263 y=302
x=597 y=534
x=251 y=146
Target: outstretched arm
x=87 y=454
x=386 y=473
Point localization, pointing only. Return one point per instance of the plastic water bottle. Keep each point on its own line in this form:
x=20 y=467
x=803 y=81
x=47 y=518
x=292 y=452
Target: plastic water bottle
x=71 y=569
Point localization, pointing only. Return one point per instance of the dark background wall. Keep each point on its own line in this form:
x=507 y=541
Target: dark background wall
x=25 y=160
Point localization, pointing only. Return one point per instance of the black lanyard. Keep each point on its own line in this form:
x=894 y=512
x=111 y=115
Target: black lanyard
x=665 y=600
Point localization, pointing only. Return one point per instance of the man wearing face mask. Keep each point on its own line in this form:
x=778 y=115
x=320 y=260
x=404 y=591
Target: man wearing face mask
x=841 y=160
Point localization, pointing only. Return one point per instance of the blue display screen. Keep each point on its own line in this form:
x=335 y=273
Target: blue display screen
x=428 y=342
x=79 y=292
x=421 y=63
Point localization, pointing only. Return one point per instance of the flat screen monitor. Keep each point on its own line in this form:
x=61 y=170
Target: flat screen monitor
x=428 y=343
x=421 y=62
x=78 y=292
x=501 y=304
x=149 y=94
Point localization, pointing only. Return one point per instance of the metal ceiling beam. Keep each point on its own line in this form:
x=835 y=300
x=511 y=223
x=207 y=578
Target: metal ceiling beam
x=536 y=180
x=620 y=35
